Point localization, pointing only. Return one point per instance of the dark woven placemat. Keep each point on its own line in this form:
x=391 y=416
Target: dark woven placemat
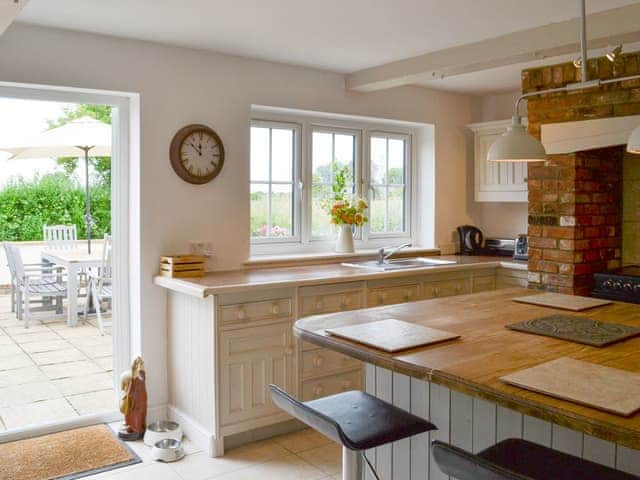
x=577 y=329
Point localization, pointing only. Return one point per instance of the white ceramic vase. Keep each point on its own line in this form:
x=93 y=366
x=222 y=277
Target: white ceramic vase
x=344 y=243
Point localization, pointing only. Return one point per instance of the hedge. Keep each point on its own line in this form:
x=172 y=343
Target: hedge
x=53 y=199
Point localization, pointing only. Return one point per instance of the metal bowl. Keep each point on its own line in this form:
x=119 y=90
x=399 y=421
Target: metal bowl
x=167 y=450
x=161 y=430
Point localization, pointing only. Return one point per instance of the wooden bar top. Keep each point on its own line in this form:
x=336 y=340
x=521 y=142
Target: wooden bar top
x=243 y=280
x=487 y=351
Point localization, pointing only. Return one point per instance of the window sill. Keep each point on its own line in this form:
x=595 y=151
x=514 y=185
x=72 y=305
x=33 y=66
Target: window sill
x=270 y=261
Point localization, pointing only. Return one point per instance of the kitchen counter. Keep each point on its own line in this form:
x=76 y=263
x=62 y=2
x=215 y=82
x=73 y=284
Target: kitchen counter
x=486 y=351
x=242 y=280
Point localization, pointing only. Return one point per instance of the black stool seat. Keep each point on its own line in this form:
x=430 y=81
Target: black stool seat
x=516 y=459
x=355 y=419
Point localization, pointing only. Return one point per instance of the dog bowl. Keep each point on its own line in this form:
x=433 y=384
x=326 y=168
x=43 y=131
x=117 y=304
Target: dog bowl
x=167 y=450
x=161 y=430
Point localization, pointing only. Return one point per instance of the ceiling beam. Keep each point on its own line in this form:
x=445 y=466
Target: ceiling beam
x=610 y=27
x=9 y=10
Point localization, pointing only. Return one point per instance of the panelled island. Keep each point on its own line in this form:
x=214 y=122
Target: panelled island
x=232 y=333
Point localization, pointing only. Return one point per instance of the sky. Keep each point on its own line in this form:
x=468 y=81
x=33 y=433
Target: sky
x=21 y=120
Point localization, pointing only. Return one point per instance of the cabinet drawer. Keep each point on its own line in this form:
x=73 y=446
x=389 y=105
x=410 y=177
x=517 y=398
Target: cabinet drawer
x=312 y=389
x=316 y=363
x=483 y=284
x=393 y=294
x=329 y=302
x=277 y=309
x=446 y=288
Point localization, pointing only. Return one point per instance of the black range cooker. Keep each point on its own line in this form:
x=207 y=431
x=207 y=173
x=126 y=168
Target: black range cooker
x=622 y=284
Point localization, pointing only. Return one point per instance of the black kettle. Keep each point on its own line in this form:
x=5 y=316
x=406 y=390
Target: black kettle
x=471 y=240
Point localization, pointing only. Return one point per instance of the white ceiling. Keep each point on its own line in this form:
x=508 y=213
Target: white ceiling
x=337 y=35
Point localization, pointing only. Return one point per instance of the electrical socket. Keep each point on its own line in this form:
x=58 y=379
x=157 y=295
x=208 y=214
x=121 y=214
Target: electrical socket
x=206 y=249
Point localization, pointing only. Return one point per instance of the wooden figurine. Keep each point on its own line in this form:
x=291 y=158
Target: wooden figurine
x=133 y=402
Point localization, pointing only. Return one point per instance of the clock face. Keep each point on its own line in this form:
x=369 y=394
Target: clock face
x=197 y=154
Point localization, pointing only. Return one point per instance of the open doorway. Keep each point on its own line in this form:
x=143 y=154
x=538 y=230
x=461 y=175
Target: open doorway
x=64 y=296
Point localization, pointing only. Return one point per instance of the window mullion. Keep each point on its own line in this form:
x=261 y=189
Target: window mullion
x=269 y=223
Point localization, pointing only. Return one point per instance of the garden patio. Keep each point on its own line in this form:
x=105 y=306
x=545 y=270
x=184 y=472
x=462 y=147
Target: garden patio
x=52 y=372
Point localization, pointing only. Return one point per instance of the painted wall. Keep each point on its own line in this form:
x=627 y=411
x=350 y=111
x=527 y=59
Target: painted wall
x=495 y=219
x=181 y=86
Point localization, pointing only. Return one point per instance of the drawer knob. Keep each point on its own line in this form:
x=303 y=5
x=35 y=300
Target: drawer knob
x=317 y=390
x=242 y=314
x=318 y=361
x=380 y=298
x=319 y=305
x=344 y=302
x=275 y=309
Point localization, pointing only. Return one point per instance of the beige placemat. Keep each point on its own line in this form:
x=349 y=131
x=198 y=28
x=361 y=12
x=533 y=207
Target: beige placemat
x=392 y=335
x=65 y=455
x=560 y=300
x=605 y=388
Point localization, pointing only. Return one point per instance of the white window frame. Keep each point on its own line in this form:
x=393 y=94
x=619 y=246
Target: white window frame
x=297 y=182
x=364 y=129
x=409 y=173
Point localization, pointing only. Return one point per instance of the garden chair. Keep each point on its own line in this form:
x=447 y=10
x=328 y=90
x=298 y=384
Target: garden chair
x=99 y=285
x=36 y=286
x=60 y=237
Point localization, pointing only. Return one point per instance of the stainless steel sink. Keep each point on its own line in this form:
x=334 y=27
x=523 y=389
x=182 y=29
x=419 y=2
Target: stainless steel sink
x=400 y=264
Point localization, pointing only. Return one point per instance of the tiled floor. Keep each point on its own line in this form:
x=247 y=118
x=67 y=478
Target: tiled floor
x=304 y=455
x=52 y=372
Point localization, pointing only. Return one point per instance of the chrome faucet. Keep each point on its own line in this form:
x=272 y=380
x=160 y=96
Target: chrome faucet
x=383 y=254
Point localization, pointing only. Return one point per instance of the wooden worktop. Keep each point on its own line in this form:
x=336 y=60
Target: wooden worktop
x=487 y=351
x=243 y=280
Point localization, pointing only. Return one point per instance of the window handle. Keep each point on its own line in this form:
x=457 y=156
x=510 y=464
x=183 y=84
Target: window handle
x=301 y=189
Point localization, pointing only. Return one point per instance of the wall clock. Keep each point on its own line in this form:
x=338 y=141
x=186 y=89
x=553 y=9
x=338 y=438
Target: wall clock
x=197 y=154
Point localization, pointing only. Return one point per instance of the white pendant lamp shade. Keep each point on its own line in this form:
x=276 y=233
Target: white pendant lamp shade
x=633 y=145
x=516 y=145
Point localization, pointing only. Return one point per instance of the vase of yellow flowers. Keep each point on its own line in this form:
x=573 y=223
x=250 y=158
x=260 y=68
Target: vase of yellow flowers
x=346 y=213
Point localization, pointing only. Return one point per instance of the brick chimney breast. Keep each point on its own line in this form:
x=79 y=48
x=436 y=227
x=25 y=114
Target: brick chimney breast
x=575 y=200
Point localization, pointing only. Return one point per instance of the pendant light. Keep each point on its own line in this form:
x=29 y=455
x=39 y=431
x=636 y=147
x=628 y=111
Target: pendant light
x=516 y=145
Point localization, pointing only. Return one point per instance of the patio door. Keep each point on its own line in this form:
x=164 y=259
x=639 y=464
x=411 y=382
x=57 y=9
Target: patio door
x=62 y=371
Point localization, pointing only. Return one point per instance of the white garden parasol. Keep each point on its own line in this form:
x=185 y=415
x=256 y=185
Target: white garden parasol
x=82 y=137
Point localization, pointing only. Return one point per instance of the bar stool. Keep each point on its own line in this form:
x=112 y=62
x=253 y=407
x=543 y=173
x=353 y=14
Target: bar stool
x=356 y=420
x=515 y=459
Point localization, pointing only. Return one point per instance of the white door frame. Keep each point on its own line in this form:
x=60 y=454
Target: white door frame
x=125 y=225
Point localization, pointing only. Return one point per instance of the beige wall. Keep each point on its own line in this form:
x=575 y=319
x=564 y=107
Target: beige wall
x=181 y=86
x=495 y=219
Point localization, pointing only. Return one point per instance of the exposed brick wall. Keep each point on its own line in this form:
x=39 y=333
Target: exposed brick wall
x=575 y=200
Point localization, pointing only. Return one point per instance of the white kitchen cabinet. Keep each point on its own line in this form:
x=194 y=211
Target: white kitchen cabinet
x=250 y=360
x=495 y=181
x=390 y=292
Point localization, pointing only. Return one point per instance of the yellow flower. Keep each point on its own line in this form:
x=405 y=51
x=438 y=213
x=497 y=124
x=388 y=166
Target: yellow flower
x=358 y=218
x=362 y=204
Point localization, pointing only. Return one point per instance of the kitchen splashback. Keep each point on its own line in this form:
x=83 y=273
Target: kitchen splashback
x=576 y=214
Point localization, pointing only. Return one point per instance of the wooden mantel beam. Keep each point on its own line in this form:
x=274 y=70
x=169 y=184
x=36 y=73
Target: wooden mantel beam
x=611 y=27
x=9 y=10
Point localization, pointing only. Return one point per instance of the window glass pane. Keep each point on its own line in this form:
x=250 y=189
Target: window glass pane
x=395 y=212
x=320 y=220
x=281 y=210
x=378 y=160
x=282 y=155
x=322 y=157
x=259 y=154
x=377 y=209
x=259 y=210
x=396 y=161
x=345 y=151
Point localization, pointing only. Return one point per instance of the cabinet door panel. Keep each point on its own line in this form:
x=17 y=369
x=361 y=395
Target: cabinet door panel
x=251 y=359
x=446 y=288
x=392 y=295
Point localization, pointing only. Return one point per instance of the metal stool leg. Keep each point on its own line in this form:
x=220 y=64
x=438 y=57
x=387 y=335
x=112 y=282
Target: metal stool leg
x=349 y=464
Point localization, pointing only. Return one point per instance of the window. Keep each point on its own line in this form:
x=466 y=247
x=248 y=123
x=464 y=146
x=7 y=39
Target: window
x=388 y=184
x=293 y=162
x=330 y=150
x=272 y=179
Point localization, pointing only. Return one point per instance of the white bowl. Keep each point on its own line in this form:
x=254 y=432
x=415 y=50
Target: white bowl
x=167 y=450
x=162 y=430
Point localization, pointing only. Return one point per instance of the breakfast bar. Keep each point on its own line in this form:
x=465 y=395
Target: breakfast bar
x=457 y=384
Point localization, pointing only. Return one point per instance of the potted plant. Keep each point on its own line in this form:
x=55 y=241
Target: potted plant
x=345 y=212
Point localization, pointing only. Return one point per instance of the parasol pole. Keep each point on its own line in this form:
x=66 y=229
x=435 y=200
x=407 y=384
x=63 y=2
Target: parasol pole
x=87 y=218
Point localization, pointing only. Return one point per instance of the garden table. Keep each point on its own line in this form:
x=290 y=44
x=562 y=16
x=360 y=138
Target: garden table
x=74 y=261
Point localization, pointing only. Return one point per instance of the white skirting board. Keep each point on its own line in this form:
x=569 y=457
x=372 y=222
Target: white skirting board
x=195 y=432
x=472 y=424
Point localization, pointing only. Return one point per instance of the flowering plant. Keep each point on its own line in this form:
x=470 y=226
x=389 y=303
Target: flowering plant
x=346 y=211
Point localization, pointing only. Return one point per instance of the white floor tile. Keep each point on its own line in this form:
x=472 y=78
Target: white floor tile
x=300 y=441
x=154 y=471
x=287 y=467
x=327 y=458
